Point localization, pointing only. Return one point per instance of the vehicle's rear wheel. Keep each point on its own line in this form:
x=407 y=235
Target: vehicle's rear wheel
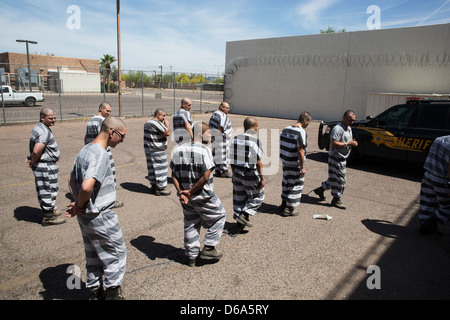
x=30 y=102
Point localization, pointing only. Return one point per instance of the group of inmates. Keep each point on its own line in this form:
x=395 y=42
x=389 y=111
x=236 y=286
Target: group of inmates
x=201 y=149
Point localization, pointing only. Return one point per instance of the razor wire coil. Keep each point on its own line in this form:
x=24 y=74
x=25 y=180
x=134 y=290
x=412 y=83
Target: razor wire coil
x=421 y=60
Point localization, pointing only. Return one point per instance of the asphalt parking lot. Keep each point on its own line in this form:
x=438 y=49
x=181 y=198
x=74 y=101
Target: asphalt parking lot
x=294 y=258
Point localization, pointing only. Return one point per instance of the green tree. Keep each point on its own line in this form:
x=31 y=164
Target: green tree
x=183 y=78
x=114 y=74
x=105 y=63
x=136 y=78
x=331 y=30
x=218 y=80
x=198 y=78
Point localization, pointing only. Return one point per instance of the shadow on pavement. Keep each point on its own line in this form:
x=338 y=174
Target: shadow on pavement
x=55 y=282
x=136 y=187
x=154 y=250
x=396 y=169
x=414 y=266
x=30 y=214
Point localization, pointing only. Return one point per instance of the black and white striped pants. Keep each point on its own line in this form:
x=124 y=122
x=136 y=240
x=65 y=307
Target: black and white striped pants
x=292 y=185
x=207 y=212
x=247 y=192
x=336 y=176
x=46 y=183
x=220 y=154
x=104 y=247
x=434 y=198
x=157 y=168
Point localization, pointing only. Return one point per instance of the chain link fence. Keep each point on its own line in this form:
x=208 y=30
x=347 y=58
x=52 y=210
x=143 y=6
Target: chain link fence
x=76 y=93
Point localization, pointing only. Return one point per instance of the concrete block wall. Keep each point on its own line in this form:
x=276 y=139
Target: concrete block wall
x=326 y=74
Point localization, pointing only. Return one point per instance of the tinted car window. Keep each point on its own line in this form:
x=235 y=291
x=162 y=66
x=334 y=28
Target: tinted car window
x=397 y=117
x=433 y=117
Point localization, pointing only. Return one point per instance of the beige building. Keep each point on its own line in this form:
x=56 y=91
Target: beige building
x=11 y=61
x=47 y=71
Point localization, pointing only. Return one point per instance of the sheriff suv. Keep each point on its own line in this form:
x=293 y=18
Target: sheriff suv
x=403 y=132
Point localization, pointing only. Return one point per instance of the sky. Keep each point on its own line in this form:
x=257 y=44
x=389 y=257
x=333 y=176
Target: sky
x=191 y=35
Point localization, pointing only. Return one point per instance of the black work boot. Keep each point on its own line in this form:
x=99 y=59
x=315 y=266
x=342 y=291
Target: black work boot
x=336 y=202
x=244 y=219
x=162 y=192
x=118 y=204
x=114 y=293
x=210 y=252
x=319 y=191
x=282 y=205
x=237 y=230
x=429 y=226
x=290 y=211
x=51 y=218
x=190 y=262
x=97 y=293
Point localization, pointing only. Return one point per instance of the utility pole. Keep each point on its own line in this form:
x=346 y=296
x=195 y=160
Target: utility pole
x=28 y=59
x=118 y=60
x=160 y=78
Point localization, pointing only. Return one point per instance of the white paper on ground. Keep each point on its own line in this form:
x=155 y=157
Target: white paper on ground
x=322 y=216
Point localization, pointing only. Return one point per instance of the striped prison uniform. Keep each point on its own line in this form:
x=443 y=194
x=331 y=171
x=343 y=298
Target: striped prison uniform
x=245 y=151
x=435 y=187
x=292 y=138
x=155 y=145
x=93 y=128
x=102 y=236
x=45 y=170
x=337 y=160
x=219 y=141
x=188 y=162
x=180 y=118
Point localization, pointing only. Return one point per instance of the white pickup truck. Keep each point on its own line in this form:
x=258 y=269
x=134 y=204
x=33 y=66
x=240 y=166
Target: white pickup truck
x=12 y=96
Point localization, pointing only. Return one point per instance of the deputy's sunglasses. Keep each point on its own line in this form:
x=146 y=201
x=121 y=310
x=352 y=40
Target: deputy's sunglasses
x=120 y=134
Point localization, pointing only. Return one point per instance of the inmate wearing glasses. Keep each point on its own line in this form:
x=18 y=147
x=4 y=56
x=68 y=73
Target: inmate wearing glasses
x=93 y=187
x=121 y=135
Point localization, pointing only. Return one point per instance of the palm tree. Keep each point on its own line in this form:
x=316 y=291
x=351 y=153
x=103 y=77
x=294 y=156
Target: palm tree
x=105 y=63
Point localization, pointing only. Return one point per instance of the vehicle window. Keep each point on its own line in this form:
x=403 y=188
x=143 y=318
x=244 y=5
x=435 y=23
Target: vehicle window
x=433 y=117
x=5 y=90
x=397 y=117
